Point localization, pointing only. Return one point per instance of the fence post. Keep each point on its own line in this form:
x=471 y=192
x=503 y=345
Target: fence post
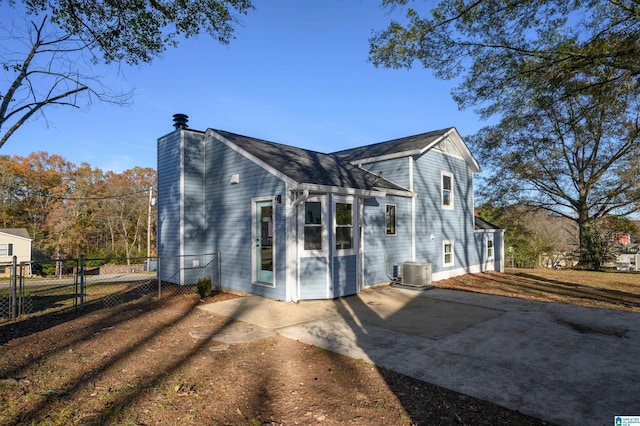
x=14 y=298
x=158 y=277
x=82 y=285
x=218 y=270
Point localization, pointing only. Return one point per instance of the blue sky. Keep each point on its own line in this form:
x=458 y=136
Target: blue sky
x=296 y=73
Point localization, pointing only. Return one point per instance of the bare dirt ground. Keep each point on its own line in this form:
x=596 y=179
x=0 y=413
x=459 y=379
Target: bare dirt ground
x=153 y=361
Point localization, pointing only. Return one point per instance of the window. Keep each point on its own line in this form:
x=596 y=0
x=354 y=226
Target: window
x=447 y=190
x=6 y=249
x=489 y=248
x=390 y=219
x=313 y=225
x=447 y=251
x=344 y=226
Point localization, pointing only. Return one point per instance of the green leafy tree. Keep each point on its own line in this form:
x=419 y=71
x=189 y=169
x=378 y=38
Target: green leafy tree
x=48 y=57
x=597 y=248
x=563 y=78
x=494 y=44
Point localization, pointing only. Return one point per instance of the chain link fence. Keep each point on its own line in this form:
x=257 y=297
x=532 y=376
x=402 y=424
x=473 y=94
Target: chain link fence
x=48 y=286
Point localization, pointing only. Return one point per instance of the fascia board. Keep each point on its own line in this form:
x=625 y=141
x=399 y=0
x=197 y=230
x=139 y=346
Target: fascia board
x=210 y=133
x=453 y=135
x=339 y=190
x=387 y=157
x=400 y=193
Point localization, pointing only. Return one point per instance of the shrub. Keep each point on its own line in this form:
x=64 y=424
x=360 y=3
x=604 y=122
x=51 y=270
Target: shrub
x=204 y=287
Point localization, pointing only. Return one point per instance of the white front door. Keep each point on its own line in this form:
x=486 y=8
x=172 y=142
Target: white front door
x=263 y=263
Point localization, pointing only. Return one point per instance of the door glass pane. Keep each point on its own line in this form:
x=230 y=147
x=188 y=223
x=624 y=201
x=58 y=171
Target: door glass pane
x=344 y=226
x=266 y=237
x=343 y=214
x=313 y=238
x=344 y=238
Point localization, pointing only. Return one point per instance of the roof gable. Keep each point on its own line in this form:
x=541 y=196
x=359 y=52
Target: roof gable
x=16 y=232
x=307 y=167
x=445 y=140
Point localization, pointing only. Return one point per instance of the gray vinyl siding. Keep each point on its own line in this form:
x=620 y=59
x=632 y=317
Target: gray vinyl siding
x=377 y=244
x=169 y=200
x=229 y=218
x=395 y=170
x=344 y=275
x=194 y=194
x=431 y=219
x=313 y=278
x=180 y=208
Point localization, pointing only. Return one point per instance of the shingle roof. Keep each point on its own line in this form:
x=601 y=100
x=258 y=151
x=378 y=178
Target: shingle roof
x=395 y=146
x=18 y=232
x=483 y=224
x=309 y=167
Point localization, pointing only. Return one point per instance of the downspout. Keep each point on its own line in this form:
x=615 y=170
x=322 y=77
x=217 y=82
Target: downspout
x=301 y=199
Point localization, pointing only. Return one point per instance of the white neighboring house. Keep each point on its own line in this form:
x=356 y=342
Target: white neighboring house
x=13 y=242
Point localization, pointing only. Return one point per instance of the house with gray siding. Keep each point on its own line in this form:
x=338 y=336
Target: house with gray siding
x=294 y=224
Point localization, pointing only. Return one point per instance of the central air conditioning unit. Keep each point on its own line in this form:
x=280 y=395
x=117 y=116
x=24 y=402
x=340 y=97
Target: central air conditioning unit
x=416 y=274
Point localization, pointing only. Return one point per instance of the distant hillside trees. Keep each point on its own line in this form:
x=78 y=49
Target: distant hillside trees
x=71 y=210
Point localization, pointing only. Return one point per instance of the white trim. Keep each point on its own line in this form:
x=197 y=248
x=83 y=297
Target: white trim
x=254 y=237
x=452 y=200
x=450 y=273
x=489 y=238
x=326 y=219
x=354 y=226
x=181 y=219
x=413 y=209
x=444 y=254
x=387 y=156
x=338 y=190
x=451 y=134
x=292 y=265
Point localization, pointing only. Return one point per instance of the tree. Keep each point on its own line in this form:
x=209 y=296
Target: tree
x=70 y=210
x=47 y=61
x=597 y=244
x=562 y=76
x=497 y=43
x=576 y=156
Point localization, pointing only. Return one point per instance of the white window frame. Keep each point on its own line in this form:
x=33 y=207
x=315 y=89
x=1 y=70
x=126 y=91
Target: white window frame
x=254 y=235
x=490 y=249
x=355 y=234
x=301 y=224
x=395 y=220
x=445 y=243
x=451 y=194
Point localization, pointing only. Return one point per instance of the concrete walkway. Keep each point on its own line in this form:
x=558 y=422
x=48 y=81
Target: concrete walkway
x=565 y=364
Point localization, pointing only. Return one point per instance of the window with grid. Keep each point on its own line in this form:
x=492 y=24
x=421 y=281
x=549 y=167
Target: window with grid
x=447 y=190
x=447 y=251
x=344 y=226
x=313 y=225
x=390 y=219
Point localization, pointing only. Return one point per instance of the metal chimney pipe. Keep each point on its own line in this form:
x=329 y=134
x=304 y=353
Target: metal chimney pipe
x=180 y=121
